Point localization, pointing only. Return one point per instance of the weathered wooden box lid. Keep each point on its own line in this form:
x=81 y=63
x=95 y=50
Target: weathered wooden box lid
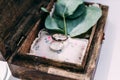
x=20 y=22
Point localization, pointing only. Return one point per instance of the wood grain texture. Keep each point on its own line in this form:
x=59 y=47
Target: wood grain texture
x=10 y=12
x=96 y=44
x=18 y=32
x=90 y=65
x=32 y=74
x=28 y=67
x=25 y=47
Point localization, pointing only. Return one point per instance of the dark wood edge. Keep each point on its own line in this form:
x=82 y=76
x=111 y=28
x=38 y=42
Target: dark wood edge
x=88 y=46
x=32 y=74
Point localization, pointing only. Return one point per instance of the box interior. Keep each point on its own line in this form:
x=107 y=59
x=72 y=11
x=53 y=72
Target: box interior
x=20 y=31
x=24 y=33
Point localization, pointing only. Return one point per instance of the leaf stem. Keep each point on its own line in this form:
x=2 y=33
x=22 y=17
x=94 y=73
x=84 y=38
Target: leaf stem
x=65 y=25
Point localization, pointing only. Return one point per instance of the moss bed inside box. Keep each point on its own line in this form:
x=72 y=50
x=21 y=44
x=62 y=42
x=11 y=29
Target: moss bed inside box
x=28 y=26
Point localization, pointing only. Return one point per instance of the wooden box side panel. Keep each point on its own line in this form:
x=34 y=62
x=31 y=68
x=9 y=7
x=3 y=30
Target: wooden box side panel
x=10 y=10
x=32 y=74
x=96 y=45
x=10 y=13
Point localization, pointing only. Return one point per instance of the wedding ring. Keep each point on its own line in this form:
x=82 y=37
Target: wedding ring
x=56 y=46
x=59 y=37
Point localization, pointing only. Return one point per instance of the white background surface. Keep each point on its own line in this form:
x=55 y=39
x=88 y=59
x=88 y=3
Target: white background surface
x=109 y=64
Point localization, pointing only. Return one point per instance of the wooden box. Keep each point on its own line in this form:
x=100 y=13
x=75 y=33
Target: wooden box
x=20 y=22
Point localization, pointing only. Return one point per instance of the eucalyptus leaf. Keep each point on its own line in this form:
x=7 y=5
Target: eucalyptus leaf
x=71 y=23
x=51 y=24
x=66 y=7
x=72 y=20
x=73 y=17
x=91 y=17
x=79 y=11
x=81 y=24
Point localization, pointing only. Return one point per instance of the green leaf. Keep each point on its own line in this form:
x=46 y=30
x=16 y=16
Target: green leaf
x=90 y=19
x=81 y=24
x=79 y=11
x=66 y=7
x=82 y=19
x=51 y=24
x=71 y=23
